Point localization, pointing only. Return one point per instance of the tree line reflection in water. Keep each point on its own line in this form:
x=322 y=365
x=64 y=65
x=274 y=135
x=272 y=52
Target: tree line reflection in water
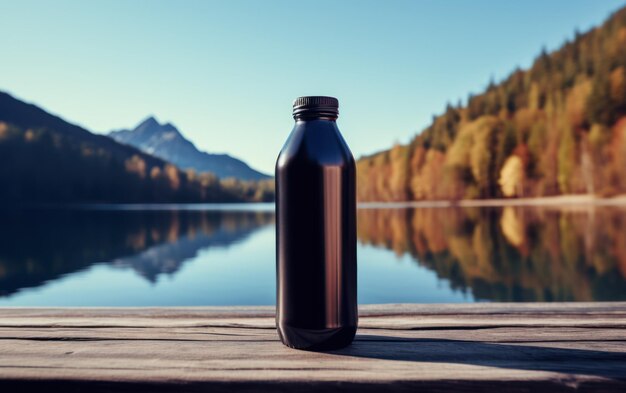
x=497 y=254
x=39 y=246
x=511 y=253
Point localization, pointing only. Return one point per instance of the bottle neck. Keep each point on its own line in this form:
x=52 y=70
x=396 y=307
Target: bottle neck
x=302 y=118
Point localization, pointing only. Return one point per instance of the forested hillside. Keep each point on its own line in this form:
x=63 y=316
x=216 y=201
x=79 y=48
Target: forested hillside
x=44 y=159
x=556 y=128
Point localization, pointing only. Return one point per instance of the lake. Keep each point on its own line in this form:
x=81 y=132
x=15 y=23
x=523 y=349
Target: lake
x=192 y=255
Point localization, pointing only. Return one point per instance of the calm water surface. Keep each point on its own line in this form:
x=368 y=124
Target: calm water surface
x=224 y=255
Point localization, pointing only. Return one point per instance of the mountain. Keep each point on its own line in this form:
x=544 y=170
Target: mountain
x=165 y=141
x=558 y=127
x=43 y=158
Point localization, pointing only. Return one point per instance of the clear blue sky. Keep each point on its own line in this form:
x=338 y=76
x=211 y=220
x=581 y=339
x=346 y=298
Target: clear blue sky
x=226 y=72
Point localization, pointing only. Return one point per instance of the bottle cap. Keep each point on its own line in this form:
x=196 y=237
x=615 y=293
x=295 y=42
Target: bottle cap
x=315 y=106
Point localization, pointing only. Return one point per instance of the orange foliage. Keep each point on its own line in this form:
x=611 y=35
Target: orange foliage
x=136 y=165
x=563 y=112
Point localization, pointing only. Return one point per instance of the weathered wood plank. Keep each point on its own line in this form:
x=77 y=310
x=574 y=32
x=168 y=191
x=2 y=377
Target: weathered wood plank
x=509 y=347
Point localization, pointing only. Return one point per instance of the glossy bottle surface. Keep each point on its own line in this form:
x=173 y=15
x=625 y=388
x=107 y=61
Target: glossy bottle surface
x=316 y=237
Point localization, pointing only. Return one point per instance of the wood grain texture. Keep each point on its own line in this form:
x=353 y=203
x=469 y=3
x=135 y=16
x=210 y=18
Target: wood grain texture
x=475 y=347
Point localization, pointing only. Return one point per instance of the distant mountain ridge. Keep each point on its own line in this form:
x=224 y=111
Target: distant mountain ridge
x=166 y=142
x=45 y=159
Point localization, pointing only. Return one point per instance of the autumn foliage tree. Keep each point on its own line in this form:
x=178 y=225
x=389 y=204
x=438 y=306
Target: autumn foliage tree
x=555 y=128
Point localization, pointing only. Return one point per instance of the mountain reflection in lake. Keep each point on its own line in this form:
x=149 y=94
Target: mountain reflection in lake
x=50 y=250
x=191 y=256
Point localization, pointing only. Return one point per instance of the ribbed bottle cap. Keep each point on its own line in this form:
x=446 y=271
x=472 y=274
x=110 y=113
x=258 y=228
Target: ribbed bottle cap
x=315 y=106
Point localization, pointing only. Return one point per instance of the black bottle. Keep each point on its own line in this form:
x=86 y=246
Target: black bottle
x=316 y=300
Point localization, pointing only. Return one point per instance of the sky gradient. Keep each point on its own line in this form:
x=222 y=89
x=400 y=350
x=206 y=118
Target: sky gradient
x=225 y=73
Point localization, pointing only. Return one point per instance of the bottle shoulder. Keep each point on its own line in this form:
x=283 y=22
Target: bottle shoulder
x=316 y=143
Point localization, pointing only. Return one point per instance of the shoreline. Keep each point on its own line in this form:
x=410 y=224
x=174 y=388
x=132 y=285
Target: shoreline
x=551 y=201
x=583 y=200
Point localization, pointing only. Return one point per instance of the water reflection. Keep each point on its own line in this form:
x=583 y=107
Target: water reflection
x=199 y=257
x=512 y=253
x=40 y=246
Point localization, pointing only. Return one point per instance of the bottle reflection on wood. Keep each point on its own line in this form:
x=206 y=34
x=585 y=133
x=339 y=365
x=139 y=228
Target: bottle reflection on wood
x=316 y=305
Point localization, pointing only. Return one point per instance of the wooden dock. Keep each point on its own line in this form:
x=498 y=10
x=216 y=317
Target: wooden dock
x=441 y=348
